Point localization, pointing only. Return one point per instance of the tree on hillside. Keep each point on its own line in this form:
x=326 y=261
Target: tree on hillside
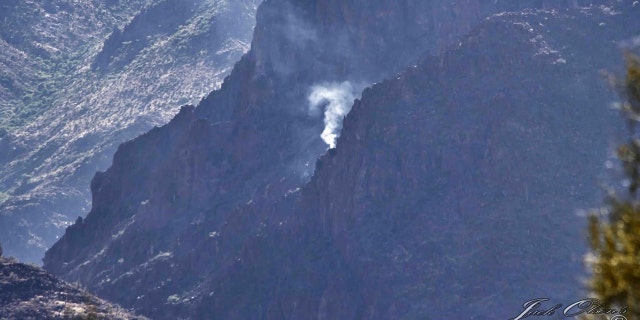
x=614 y=238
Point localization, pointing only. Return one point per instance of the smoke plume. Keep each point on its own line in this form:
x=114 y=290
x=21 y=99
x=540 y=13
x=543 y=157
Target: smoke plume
x=336 y=99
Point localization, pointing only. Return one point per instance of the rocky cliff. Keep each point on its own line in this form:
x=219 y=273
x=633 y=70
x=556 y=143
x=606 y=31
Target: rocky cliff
x=223 y=212
x=473 y=211
x=79 y=79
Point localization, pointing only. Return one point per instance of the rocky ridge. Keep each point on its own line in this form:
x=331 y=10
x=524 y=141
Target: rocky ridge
x=28 y=292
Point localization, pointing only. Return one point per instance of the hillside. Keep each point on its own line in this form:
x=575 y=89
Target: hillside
x=81 y=79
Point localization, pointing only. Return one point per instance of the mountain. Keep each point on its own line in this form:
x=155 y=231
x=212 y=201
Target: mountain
x=77 y=80
x=449 y=189
x=455 y=186
x=28 y=292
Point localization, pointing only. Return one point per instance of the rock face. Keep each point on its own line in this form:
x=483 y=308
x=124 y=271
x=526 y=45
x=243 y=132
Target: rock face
x=472 y=210
x=452 y=187
x=78 y=80
x=28 y=292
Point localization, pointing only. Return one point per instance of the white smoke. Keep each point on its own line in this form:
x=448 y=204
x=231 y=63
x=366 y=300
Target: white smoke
x=337 y=100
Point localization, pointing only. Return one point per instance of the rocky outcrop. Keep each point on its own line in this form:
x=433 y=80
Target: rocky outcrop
x=121 y=47
x=28 y=292
x=204 y=217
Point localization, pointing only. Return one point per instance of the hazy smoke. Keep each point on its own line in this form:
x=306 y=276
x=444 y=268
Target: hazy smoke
x=337 y=99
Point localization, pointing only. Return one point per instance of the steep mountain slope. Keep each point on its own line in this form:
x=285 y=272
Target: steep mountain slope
x=28 y=292
x=455 y=186
x=189 y=219
x=93 y=96
x=451 y=193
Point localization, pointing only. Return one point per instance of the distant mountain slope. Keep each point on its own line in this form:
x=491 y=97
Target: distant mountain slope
x=28 y=292
x=42 y=42
x=156 y=56
x=439 y=171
